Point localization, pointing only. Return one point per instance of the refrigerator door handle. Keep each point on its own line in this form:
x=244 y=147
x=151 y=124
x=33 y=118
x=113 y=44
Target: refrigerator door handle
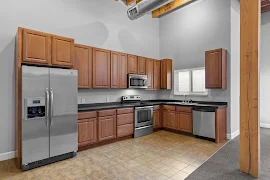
x=47 y=106
x=51 y=106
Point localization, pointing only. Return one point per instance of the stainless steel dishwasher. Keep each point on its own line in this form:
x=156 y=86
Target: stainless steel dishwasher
x=204 y=122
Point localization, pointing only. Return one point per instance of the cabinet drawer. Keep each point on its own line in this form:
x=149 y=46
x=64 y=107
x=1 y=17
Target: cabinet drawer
x=169 y=108
x=87 y=115
x=125 y=119
x=125 y=130
x=110 y=112
x=184 y=109
x=156 y=108
x=125 y=110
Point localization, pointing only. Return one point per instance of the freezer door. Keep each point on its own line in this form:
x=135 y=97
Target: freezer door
x=35 y=130
x=64 y=111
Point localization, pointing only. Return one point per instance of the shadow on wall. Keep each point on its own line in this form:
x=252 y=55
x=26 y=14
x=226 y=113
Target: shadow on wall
x=94 y=34
x=129 y=43
x=7 y=104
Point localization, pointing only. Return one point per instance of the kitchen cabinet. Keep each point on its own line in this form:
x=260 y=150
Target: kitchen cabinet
x=141 y=65
x=62 y=51
x=115 y=67
x=169 y=120
x=157 y=117
x=36 y=47
x=125 y=122
x=132 y=64
x=106 y=128
x=123 y=71
x=101 y=68
x=216 y=69
x=166 y=74
x=184 y=122
x=83 y=63
x=118 y=70
x=149 y=68
x=87 y=131
x=157 y=69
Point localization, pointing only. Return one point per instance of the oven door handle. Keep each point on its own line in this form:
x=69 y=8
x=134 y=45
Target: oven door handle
x=145 y=107
x=144 y=127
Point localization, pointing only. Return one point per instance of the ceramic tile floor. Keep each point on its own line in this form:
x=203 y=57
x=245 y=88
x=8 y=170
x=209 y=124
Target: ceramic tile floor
x=162 y=155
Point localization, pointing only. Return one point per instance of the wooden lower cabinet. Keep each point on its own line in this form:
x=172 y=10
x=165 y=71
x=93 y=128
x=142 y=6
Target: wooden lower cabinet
x=157 y=119
x=169 y=119
x=125 y=122
x=125 y=130
x=106 y=128
x=184 y=122
x=87 y=131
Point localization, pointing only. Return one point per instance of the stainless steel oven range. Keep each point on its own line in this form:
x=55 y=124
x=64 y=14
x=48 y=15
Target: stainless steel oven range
x=143 y=115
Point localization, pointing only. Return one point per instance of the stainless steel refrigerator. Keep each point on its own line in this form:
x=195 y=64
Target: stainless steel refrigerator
x=49 y=115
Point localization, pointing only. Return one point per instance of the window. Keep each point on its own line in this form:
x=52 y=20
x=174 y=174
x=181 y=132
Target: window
x=190 y=82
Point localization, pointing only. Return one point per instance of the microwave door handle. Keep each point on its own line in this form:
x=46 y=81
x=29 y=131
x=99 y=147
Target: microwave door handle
x=52 y=98
x=47 y=106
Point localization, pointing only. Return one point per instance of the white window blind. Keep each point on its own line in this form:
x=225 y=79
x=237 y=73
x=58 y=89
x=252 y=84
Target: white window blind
x=190 y=82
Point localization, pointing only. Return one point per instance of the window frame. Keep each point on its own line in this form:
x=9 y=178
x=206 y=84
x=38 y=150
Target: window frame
x=190 y=93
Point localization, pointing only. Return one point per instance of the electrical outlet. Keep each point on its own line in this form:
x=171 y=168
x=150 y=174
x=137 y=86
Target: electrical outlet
x=82 y=100
x=107 y=99
x=150 y=97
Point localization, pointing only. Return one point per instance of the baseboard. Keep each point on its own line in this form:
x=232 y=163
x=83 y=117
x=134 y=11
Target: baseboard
x=7 y=155
x=263 y=125
x=233 y=135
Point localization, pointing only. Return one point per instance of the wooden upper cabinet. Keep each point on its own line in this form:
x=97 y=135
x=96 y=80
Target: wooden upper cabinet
x=157 y=74
x=141 y=65
x=123 y=71
x=101 y=68
x=106 y=128
x=87 y=131
x=132 y=64
x=184 y=122
x=83 y=63
x=36 y=47
x=149 y=67
x=216 y=69
x=115 y=67
x=62 y=51
x=166 y=74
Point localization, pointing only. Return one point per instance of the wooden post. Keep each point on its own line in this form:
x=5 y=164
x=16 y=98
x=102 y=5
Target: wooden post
x=250 y=14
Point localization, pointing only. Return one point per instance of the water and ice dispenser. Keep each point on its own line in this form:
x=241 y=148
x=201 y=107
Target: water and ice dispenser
x=35 y=108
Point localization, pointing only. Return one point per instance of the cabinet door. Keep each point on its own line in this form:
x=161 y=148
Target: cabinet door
x=141 y=65
x=156 y=74
x=216 y=69
x=184 y=122
x=166 y=74
x=132 y=64
x=83 y=63
x=107 y=128
x=169 y=119
x=156 y=119
x=115 y=67
x=101 y=68
x=150 y=73
x=123 y=70
x=36 y=47
x=87 y=131
x=62 y=51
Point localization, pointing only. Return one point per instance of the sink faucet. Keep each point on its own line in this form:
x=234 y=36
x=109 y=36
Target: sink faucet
x=185 y=96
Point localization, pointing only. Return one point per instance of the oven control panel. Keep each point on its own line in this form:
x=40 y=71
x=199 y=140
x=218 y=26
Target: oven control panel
x=35 y=108
x=131 y=98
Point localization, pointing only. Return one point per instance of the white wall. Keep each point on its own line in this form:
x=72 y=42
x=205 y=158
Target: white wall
x=235 y=68
x=265 y=71
x=100 y=23
x=187 y=33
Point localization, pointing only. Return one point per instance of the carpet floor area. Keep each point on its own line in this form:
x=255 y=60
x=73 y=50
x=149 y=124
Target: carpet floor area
x=224 y=165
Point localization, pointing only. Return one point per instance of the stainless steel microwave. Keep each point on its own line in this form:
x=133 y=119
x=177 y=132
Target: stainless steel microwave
x=137 y=81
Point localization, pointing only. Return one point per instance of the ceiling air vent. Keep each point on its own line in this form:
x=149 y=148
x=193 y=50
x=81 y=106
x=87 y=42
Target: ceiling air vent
x=144 y=7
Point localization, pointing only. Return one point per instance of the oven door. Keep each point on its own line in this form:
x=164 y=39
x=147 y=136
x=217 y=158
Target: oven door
x=137 y=81
x=143 y=116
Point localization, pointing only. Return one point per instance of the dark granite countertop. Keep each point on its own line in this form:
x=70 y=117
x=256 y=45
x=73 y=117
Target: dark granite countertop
x=115 y=105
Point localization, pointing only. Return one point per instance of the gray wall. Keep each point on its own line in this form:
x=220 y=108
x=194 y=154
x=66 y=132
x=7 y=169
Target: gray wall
x=100 y=23
x=187 y=33
x=265 y=70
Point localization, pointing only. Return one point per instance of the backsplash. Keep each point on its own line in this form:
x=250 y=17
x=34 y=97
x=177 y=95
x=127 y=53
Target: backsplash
x=87 y=96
